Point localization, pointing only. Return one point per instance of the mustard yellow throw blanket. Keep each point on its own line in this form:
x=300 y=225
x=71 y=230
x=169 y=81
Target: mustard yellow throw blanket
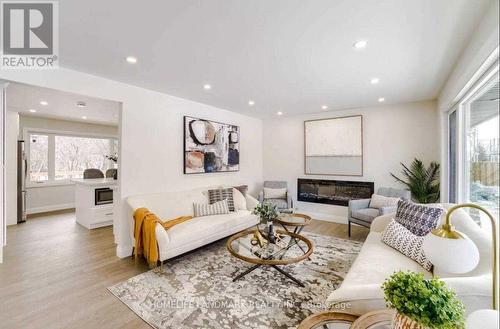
x=145 y=234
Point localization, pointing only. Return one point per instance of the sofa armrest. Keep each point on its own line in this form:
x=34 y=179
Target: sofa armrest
x=251 y=202
x=289 y=201
x=162 y=239
x=388 y=210
x=260 y=197
x=379 y=223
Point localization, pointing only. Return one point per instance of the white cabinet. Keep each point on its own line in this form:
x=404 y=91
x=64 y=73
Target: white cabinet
x=88 y=213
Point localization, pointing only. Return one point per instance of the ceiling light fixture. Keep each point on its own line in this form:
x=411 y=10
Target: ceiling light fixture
x=381 y=99
x=84 y=117
x=131 y=59
x=207 y=86
x=44 y=103
x=81 y=104
x=251 y=103
x=374 y=81
x=32 y=110
x=360 y=44
x=279 y=113
x=324 y=107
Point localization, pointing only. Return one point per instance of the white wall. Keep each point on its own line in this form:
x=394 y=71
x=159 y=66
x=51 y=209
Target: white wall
x=11 y=133
x=151 y=138
x=392 y=134
x=476 y=58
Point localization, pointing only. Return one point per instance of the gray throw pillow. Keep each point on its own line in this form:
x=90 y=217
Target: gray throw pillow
x=222 y=194
x=242 y=188
x=419 y=219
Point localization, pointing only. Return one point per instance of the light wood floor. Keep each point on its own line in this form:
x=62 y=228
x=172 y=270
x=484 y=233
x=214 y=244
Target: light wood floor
x=55 y=274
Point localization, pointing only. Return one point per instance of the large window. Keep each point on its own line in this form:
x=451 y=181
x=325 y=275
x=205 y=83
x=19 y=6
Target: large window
x=474 y=152
x=59 y=157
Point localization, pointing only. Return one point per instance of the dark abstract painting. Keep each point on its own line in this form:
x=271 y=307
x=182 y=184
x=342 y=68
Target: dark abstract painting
x=210 y=146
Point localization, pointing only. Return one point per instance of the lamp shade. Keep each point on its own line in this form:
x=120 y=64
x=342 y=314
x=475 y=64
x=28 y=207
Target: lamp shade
x=484 y=319
x=451 y=255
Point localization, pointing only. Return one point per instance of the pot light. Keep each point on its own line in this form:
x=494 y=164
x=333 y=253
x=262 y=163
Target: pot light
x=207 y=86
x=32 y=110
x=279 y=113
x=251 y=103
x=81 y=104
x=44 y=103
x=84 y=117
x=381 y=99
x=374 y=81
x=360 y=44
x=324 y=107
x=131 y=59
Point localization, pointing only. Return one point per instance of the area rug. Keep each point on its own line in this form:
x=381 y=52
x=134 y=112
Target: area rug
x=196 y=290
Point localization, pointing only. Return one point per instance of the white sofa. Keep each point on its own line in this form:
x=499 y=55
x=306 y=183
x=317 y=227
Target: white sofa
x=193 y=233
x=377 y=261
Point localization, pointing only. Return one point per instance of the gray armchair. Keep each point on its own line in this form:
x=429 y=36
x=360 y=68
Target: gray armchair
x=281 y=204
x=360 y=213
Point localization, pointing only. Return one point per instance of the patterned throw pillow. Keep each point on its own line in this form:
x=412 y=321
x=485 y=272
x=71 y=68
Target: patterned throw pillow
x=419 y=219
x=222 y=194
x=217 y=208
x=407 y=243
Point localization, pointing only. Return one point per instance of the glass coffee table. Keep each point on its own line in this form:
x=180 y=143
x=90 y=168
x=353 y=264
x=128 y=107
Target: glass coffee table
x=254 y=247
x=293 y=222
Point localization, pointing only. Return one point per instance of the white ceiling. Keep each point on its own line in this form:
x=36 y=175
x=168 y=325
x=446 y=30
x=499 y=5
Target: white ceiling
x=286 y=55
x=61 y=105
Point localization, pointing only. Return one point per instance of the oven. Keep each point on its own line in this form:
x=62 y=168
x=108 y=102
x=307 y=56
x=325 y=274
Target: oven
x=103 y=196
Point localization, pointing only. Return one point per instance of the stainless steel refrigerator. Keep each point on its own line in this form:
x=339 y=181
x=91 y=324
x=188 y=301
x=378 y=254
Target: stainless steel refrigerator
x=22 y=171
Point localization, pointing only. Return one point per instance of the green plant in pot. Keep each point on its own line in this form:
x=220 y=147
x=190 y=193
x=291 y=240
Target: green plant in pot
x=422 y=303
x=422 y=182
x=267 y=213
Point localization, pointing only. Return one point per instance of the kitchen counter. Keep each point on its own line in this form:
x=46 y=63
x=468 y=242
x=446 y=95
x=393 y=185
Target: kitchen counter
x=92 y=211
x=95 y=181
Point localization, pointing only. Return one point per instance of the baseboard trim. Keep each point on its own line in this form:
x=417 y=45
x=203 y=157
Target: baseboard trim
x=123 y=251
x=55 y=207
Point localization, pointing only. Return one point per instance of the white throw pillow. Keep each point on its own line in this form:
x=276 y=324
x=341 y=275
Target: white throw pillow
x=217 y=208
x=380 y=201
x=240 y=203
x=251 y=202
x=274 y=193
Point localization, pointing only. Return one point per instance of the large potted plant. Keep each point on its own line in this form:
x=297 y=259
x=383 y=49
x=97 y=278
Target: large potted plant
x=422 y=303
x=267 y=213
x=422 y=182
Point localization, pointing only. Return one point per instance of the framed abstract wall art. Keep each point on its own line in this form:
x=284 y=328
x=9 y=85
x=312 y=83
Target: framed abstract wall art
x=210 y=146
x=334 y=146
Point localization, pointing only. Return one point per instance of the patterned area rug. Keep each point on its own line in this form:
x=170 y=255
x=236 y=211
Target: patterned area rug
x=196 y=290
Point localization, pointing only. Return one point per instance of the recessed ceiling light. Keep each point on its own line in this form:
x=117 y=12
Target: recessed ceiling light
x=84 y=117
x=44 y=103
x=381 y=99
x=374 y=81
x=251 y=103
x=360 y=44
x=81 y=104
x=32 y=110
x=324 y=107
x=207 y=86
x=131 y=59
x=279 y=113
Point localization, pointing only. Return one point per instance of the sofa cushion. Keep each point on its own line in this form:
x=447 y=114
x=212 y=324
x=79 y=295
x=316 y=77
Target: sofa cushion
x=217 y=208
x=400 y=238
x=380 y=201
x=366 y=215
x=217 y=195
x=279 y=203
x=419 y=219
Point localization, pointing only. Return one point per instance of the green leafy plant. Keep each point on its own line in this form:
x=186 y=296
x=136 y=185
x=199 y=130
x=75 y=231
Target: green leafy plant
x=422 y=182
x=266 y=211
x=427 y=301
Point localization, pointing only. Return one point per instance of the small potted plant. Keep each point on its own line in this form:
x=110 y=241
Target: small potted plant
x=422 y=303
x=267 y=213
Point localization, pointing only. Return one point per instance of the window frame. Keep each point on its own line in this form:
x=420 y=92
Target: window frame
x=52 y=133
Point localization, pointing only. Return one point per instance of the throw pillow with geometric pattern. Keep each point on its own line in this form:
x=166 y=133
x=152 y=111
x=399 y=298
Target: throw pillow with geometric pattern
x=217 y=208
x=419 y=219
x=222 y=194
x=403 y=240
